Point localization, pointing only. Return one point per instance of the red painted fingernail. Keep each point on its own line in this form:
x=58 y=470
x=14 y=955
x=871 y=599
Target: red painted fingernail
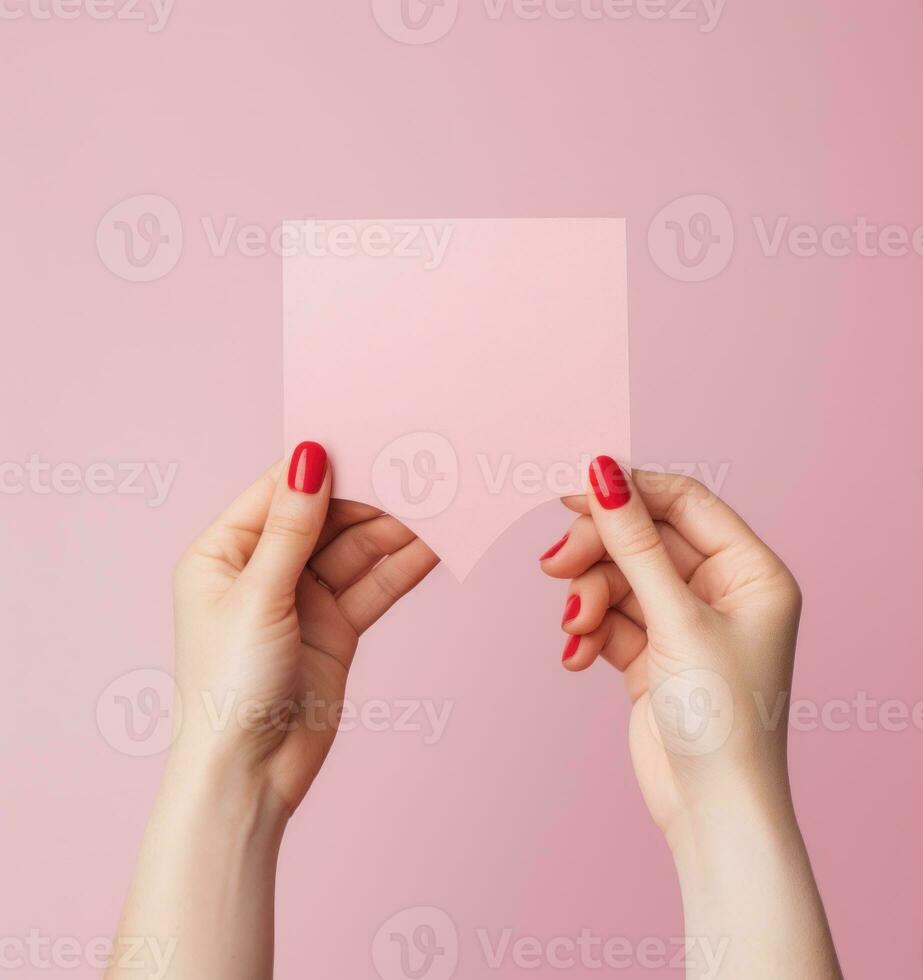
x=555 y=548
x=609 y=483
x=571 y=648
x=571 y=609
x=309 y=464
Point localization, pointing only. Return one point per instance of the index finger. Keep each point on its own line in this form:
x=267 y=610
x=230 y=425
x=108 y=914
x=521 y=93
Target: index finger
x=343 y=514
x=700 y=515
x=697 y=513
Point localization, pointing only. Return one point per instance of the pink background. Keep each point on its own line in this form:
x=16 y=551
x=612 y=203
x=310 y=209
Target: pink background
x=801 y=373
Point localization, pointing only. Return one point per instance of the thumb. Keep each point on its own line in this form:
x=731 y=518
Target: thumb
x=294 y=522
x=634 y=544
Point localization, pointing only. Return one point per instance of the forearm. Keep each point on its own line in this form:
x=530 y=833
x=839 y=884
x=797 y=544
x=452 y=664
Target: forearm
x=749 y=895
x=202 y=895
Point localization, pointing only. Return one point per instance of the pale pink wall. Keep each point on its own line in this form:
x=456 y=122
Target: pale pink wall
x=801 y=373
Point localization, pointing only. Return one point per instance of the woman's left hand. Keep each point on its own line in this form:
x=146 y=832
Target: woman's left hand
x=270 y=603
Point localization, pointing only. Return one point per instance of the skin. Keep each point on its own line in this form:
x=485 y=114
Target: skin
x=254 y=628
x=270 y=604
x=701 y=618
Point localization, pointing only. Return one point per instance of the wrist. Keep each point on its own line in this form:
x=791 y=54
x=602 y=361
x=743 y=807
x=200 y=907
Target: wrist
x=729 y=824
x=746 y=883
x=231 y=800
x=737 y=855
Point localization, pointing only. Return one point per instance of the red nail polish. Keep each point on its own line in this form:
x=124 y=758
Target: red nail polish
x=571 y=648
x=571 y=609
x=309 y=464
x=609 y=483
x=555 y=548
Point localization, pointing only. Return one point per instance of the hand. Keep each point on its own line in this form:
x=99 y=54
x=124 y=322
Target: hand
x=673 y=589
x=270 y=604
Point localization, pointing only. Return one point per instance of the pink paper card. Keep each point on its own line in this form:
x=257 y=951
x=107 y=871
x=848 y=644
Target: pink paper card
x=459 y=372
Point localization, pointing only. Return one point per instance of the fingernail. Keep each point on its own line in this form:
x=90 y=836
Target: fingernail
x=555 y=548
x=609 y=483
x=571 y=648
x=571 y=609
x=309 y=464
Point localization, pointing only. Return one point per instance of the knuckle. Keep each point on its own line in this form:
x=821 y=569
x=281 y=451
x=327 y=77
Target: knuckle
x=790 y=590
x=390 y=582
x=690 y=493
x=640 y=541
x=366 y=546
x=584 y=525
x=615 y=586
x=676 y=510
x=773 y=568
x=188 y=567
x=776 y=578
x=649 y=481
x=593 y=609
x=286 y=525
x=689 y=486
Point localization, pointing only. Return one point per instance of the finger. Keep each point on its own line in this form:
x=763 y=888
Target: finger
x=702 y=518
x=617 y=639
x=357 y=549
x=632 y=541
x=233 y=536
x=343 y=514
x=296 y=516
x=577 y=503
x=375 y=593
x=605 y=587
x=689 y=506
x=577 y=551
x=582 y=549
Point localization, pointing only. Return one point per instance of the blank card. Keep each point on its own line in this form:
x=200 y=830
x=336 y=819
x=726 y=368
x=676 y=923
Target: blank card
x=459 y=372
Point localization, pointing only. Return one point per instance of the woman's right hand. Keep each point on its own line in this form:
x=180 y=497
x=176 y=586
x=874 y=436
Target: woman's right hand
x=674 y=589
x=677 y=592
